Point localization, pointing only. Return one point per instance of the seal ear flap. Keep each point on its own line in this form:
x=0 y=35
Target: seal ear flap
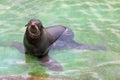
x=40 y=26
x=26 y=25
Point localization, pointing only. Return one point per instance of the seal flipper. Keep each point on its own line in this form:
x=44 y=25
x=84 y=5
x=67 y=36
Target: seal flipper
x=66 y=40
x=18 y=46
x=55 y=32
x=52 y=65
x=46 y=61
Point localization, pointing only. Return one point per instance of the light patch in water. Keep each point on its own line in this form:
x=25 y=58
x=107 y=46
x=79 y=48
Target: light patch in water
x=3 y=67
x=96 y=75
x=115 y=31
x=108 y=63
x=116 y=24
x=95 y=28
x=78 y=51
x=82 y=60
x=3 y=30
x=13 y=61
x=65 y=6
x=84 y=12
x=66 y=73
x=83 y=68
x=4 y=7
x=108 y=5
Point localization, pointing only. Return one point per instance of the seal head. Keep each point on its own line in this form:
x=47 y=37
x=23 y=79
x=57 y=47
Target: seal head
x=34 y=28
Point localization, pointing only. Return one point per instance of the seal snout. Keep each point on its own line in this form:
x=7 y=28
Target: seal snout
x=33 y=30
x=32 y=26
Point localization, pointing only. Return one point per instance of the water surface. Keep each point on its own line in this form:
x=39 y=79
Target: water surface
x=94 y=22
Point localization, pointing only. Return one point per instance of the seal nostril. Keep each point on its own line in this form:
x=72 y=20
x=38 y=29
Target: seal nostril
x=32 y=25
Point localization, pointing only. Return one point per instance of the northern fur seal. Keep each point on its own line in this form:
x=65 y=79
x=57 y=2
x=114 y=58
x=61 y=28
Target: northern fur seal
x=38 y=40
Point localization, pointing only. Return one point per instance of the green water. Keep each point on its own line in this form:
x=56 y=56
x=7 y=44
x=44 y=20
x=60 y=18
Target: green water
x=94 y=22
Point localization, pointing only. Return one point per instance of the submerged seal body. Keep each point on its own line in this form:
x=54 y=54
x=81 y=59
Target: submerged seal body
x=38 y=40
